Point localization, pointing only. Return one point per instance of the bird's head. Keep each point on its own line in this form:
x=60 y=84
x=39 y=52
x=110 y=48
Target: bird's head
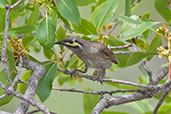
x=72 y=43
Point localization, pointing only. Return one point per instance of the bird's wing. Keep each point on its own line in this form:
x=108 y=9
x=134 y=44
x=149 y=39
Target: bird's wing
x=105 y=52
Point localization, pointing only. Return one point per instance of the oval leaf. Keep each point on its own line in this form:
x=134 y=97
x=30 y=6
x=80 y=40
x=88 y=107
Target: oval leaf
x=45 y=84
x=90 y=102
x=85 y=28
x=103 y=13
x=21 y=30
x=138 y=56
x=69 y=10
x=84 y=2
x=165 y=12
x=133 y=32
x=46 y=33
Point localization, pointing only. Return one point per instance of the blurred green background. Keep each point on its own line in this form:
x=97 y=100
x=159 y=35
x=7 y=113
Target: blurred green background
x=72 y=103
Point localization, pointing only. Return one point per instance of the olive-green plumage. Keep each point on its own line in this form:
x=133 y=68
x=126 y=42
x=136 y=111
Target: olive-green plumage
x=93 y=54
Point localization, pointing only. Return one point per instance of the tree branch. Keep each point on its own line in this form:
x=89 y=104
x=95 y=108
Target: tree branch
x=104 y=80
x=98 y=92
x=151 y=90
x=160 y=102
x=38 y=71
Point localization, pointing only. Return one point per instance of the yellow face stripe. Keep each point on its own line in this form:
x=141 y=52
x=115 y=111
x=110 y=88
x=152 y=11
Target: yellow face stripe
x=74 y=44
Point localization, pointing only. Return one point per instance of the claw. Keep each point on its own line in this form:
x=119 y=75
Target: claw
x=73 y=72
x=100 y=79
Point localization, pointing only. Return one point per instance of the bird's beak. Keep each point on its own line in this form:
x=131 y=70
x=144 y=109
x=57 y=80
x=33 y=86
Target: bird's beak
x=60 y=42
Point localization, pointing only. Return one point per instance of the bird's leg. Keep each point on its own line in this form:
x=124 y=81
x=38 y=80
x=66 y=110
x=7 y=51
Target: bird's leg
x=101 y=75
x=76 y=70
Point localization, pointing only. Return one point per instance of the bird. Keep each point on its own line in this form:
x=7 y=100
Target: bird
x=94 y=54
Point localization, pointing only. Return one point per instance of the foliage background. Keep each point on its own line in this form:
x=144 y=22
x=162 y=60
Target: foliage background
x=72 y=103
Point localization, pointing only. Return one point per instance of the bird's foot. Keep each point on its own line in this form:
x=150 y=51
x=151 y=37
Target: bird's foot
x=100 y=79
x=74 y=72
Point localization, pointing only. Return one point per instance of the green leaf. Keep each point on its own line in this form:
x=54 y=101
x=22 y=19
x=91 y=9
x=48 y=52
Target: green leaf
x=84 y=2
x=27 y=40
x=85 y=28
x=156 y=42
x=21 y=30
x=46 y=33
x=54 y=18
x=112 y=41
x=45 y=84
x=65 y=78
x=165 y=12
x=11 y=61
x=103 y=13
x=133 y=32
x=127 y=7
x=4 y=80
x=22 y=87
x=126 y=19
x=48 y=53
x=2 y=21
x=3 y=3
x=61 y=35
x=69 y=11
x=34 y=17
x=114 y=112
x=90 y=102
x=138 y=56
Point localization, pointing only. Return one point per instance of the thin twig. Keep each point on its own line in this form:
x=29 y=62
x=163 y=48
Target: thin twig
x=21 y=81
x=4 y=46
x=97 y=92
x=113 y=27
x=35 y=111
x=160 y=103
x=104 y=80
x=135 y=3
x=16 y=4
x=18 y=73
x=122 y=52
x=169 y=3
x=3 y=96
x=143 y=64
x=121 y=47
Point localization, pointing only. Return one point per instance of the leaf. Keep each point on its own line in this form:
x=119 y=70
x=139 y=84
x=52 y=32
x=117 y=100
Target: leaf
x=156 y=42
x=48 y=53
x=21 y=30
x=45 y=84
x=27 y=40
x=127 y=7
x=22 y=87
x=112 y=41
x=84 y=2
x=138 y=56
x=61 y=35
x=11 y=61
x=165 y=12
x=90 y=102
x=85 y=28
x=103 y=13
x=34 y=17
x=126 y=19
x=54 y=18
x=65 y=78
x=3 y=3
x=69 y=11
x=133 y=32
x=4 y=80
x=46 y=33
x=2 y=21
